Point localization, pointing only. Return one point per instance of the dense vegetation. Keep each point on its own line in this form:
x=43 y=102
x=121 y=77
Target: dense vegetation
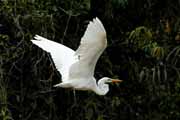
x=143 y=50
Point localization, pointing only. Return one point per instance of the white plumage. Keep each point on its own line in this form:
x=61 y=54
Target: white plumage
x=77 y=67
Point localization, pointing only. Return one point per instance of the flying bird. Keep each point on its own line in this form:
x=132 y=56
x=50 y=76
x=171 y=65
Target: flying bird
x=77 y=67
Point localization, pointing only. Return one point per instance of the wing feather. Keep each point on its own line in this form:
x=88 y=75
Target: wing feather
x=62 y=56
x=92 y=45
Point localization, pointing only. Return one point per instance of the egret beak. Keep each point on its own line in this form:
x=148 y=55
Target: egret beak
x=116 y=80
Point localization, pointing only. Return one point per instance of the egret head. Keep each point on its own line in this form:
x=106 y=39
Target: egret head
x=103 y=84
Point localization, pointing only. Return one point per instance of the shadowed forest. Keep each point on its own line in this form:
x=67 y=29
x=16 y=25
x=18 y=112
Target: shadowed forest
x=143 y=50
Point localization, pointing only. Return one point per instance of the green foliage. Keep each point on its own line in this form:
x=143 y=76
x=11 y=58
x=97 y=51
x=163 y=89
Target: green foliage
x=140 y=37
x=149 y=63
x=119 y=3
x=5 y=114
x=158 y=53
x=173 y=56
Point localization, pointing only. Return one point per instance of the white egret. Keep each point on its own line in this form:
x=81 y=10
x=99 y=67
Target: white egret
x=77 y=67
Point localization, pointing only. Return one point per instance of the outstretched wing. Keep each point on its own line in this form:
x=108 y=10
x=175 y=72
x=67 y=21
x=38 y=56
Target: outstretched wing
x=92 y=45
x=62 y=56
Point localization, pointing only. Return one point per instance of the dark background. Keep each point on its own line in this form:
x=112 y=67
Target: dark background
x=143 y=50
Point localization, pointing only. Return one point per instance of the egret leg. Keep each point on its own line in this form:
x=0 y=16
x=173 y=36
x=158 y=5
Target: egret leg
x=45 y=81
x=74 y=92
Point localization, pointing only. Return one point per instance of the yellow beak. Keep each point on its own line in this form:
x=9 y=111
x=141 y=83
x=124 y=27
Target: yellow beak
x=116 y=80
